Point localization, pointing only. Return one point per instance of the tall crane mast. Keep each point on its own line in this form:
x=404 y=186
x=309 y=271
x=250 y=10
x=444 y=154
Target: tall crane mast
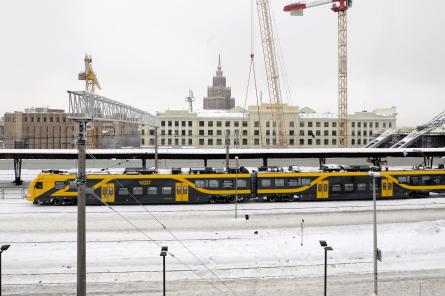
x=273 y=81
x=341 y=8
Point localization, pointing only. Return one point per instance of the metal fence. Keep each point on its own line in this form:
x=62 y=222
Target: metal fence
x=12 y=192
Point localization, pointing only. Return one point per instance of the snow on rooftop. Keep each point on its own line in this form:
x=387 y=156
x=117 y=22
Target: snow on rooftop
x=220 y=113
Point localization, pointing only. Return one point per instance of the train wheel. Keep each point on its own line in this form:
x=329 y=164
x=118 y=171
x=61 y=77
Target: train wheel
x=212 y=200
x=272 y=199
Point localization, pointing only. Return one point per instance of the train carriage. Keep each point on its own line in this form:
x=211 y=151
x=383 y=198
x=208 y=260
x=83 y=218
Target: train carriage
x=56 y=187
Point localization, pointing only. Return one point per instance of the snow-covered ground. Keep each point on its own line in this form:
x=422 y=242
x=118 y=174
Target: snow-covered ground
x=216 y=253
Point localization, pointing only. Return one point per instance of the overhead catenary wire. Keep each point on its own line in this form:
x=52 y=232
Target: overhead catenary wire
x=170 y=232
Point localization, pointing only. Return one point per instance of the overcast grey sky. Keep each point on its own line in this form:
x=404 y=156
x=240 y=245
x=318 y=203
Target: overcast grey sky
x=149 y=53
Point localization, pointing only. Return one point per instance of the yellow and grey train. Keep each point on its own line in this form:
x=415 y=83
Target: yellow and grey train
x=58 y=187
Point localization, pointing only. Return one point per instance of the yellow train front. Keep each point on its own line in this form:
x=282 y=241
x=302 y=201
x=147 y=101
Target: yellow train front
x=58 y=187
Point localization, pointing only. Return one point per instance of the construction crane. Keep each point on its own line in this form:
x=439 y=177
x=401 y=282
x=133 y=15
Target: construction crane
x=340 y=7
x=89 y=76
x=273 y=81
x=91 y=83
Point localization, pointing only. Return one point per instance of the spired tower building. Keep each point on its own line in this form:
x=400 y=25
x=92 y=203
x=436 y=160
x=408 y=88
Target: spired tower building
x=219 y=95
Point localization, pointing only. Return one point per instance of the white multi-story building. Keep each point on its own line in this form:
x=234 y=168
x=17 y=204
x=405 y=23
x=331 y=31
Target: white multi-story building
x=255 y=128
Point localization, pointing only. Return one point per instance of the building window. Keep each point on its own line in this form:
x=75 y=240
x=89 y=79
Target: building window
x=292 y=142
x=190 y=142
x=163 y=123
x=245 y=142
x=326 y=132
x=384 y=125
x=218 y=142
x=142 y=132
x=309 y=141
x=169 y=123
x=190 y=133
x=218 y=124
x=353 y=133
x=44 y=119
x=142 y=141
x=317 y=124
x=301 y=132
x=291 y=133
x=244 y=132
x=183 y=133
x=334 y=124
x=162 y=132
x=256 y=132
x=389 y=124
x=370 y=133
x=176 y=123
x=183 y=142
x=169 y=132
x=309 y=124
x=326 y=141
x=267 y=123
x=317 y=132
x=210 y=142
x=256 y=142
x=190 y=123
x=359 y=133
x=256 y=124
x=359 y=124
x=210 y=132
x=244 y=123
x=183 y=123
x=365 y=124
x=268 y=133
x=169 y=142
x=302 y=142
x=152 y=132
x=352 y=141
x=210 y=123
x=326 y=124
x=301 y=123
x=201 y=123
x=201 y=142
x=359 y=142
x=291 y=124
x=377 y=125
x=365 y=133
x=334 y=133
x=353 y=124
x=152 y=141
x=176 y=142
x=201 y=132
x=236 y=124
x=317 y=141
x=334 y=141
x=370 y=124
x=218 y=132
x=227 y=123
x=267 y=141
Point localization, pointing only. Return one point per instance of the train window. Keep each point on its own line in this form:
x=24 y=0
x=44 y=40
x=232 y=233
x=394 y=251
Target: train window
x=384 y=186
x=336 y=188
x=123 y=191
x=293 y=183
x=104 y=191
x=60 y=185
x=349 y=187
x=241 y=183
x=184 y=190
x=39 y=185
x=320 y=187
x=200 y=183
x=389 y=185
x=426 y=180
x=138 y=190
x=227 y=183
x=279 y=182
x=166 y=190
x=110 y=191
x=178 y=190
x=152 y=190
x=266 y=182
x=414 y=180
x=436 y=181
x=361 y=187
x=404 y=179
x=213 y=184
x=305 y=182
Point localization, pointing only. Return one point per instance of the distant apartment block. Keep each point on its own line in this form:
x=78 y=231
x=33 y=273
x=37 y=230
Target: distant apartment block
x=45 y=128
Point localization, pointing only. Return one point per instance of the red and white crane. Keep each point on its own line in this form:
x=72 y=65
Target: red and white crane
x=339 y=6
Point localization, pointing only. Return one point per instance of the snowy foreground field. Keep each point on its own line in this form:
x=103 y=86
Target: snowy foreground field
x=216 y=254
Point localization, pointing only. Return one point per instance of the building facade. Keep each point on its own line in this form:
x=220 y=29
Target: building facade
x=219 y=96
x=45 y=128
x=2 y=132
x=255 y=128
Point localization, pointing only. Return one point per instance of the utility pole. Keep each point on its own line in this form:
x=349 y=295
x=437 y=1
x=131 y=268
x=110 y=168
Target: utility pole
x=156 y=149
x=227 y=148
x=374 y=233
x=236 y=187
x=190 y=99
x=81 y=185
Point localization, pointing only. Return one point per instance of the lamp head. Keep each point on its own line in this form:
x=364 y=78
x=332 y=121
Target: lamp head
x=163 y=254
x=328 y=248
x=5 y=247
x=323 y=243
x=164 y=248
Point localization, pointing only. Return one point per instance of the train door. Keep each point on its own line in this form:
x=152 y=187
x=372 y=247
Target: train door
x=323 y=189
x=107 y=193
x=111 y=193
x=387 y=188
x=178 y=191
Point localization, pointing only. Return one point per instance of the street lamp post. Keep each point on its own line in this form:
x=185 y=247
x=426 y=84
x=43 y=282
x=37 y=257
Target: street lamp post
x=236 y=187
x=326 y=248
x=164 y=251
x=2 y=249
x=374 y=176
